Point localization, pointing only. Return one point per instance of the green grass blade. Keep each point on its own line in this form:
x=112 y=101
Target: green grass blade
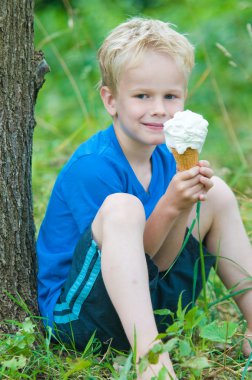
x=246 y=367
x=202 y=260
x=195 y=277
x=228 y=296
x=183 y=246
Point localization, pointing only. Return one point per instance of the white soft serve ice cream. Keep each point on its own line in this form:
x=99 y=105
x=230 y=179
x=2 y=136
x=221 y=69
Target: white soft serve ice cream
x=186 y=129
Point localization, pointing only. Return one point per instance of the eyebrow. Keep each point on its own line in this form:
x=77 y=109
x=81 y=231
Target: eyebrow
x=146 y=89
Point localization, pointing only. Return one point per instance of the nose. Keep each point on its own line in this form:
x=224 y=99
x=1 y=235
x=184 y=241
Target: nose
x=158 y=108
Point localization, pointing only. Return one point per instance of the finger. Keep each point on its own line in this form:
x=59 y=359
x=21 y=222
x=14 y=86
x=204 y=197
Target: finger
x=188 y=185
x=204 y=163
x=206 y=182
x=194 y=192
x=207 y=172
x=202 y=197
x=188 y=174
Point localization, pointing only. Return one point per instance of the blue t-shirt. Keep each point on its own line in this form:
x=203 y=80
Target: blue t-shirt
x=97 y=169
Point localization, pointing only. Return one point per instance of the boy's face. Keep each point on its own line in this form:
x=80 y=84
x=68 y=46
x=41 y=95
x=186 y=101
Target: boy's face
x=148 y=94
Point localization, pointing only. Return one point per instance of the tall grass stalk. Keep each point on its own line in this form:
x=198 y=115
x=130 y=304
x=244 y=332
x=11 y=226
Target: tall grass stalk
x=245 y=371
x=66 y=70
x=202 y=260
x=183 y=245
x=226 y=118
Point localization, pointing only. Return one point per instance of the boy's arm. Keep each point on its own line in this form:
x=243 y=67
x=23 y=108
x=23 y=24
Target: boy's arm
x=174 y=207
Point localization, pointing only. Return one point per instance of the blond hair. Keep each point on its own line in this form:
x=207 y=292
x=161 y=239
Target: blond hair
x=131 y=39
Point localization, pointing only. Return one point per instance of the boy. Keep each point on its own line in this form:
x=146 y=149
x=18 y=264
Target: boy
x=120 y=202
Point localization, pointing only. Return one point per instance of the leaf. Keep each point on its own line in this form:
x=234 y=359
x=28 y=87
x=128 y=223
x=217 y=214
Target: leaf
x=175 y=327
x=15 y=363
x=154 y=352
x=162 y=374
x=180 y=312
x=143 y=364
x=17 y=341
x=126 y=368
x=164 y=312
x=197 y=363
x=184 y=348
x=157 y=348
x=120 y=360
x=153 y=357
x=28 y=326
x=161 y=336
x=169 y=346
x=219 y=331
x=77 y=366
x=193 y=318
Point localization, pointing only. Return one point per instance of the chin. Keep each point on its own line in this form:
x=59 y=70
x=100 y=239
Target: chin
x=157 y=142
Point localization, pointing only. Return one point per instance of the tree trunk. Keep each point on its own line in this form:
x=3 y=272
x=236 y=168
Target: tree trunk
x=20 y=81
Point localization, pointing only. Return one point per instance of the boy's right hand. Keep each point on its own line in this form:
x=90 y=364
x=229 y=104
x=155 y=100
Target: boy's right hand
x=189 y=186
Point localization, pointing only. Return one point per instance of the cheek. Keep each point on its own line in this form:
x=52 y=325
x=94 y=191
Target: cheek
x=139 y=109
x=132 y=110
x=177 y=106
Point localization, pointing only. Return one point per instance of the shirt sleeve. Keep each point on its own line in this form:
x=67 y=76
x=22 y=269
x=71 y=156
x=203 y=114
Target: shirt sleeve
x=86 y=184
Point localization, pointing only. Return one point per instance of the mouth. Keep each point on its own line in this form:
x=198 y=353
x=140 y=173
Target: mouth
x=154 y=126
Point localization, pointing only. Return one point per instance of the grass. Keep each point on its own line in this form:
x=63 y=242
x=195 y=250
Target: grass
x=205 y=342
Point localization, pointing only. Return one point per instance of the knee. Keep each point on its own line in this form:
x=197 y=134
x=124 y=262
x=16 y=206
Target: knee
x=118 y=210
x=221 y=196
x=122 y=208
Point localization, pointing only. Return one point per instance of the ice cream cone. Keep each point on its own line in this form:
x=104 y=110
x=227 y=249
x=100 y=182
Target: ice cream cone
x=186 y=160
x=185 y=135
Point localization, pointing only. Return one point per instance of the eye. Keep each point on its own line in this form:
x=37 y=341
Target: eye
x=142 y=96
x=170 y=96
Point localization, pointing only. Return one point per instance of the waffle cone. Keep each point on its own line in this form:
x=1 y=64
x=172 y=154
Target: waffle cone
x=186 y=160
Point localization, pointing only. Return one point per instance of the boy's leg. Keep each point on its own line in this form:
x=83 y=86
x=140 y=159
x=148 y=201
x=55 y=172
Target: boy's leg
x=225 y=235
x=118 y=229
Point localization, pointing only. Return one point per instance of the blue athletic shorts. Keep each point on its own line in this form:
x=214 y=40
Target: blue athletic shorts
x=84 y=306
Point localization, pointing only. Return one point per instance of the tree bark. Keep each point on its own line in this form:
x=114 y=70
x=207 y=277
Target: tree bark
x=21 y=76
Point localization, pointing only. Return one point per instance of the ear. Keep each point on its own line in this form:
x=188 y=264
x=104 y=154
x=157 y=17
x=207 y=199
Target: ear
x=109 y=100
